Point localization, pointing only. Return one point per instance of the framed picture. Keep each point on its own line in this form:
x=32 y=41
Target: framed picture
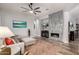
x=19 y=24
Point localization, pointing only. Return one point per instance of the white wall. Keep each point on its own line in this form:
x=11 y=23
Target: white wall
x=37 y=31
x=7 y=18
x=0 y=20
x=65 y=27
x=77 y=20
x=75 y=16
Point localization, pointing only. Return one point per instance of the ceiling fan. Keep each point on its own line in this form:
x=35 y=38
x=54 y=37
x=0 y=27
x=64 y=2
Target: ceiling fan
x=31 y=9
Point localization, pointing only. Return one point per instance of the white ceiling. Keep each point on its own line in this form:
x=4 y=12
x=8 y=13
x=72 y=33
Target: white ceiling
x=52 y=7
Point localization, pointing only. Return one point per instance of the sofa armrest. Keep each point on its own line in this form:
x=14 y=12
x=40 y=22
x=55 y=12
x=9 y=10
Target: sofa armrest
x=29 y=41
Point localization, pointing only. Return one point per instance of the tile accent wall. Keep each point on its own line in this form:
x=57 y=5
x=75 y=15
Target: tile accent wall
x=56 y=21
x=55 y=24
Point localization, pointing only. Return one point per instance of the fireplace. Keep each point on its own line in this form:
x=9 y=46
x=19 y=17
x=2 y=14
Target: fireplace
x=45 y=33
x=55 y=35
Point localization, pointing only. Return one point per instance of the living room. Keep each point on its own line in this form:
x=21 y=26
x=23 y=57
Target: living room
x=37 y=24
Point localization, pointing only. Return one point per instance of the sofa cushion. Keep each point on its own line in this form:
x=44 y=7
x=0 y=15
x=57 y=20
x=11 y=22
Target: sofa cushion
x=29 y=40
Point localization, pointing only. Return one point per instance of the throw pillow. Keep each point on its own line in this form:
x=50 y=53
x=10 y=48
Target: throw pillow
x=9 y=41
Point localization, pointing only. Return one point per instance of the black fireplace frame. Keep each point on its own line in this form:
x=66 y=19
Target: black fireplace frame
x=55 y=35
x=45 y=33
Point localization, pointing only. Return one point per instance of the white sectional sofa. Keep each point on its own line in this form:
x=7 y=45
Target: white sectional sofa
x=29 y=40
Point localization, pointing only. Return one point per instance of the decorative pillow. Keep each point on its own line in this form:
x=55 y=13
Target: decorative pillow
x=9 y=41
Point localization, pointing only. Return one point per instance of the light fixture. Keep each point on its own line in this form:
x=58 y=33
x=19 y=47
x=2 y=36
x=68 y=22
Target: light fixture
x=31 y=11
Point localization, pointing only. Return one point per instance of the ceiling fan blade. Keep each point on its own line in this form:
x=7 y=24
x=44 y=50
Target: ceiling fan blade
x=34 y=13
x=38 y=11
x=30 y=5
x=24 y=11
x=37 y=8
x=25 y=8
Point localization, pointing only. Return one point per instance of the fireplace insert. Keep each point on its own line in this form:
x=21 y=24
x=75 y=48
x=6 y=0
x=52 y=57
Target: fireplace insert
x=55 y=35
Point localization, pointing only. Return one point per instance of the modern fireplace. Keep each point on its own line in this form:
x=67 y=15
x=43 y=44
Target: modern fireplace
x=55 y=35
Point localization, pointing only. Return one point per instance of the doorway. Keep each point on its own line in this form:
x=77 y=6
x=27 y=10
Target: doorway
x=74 y=31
